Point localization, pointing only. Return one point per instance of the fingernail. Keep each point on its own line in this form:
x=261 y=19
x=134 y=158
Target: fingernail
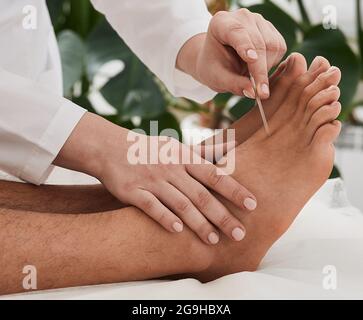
x=290 y=63
x=238 y=234
x=252 y=54
x=332 y=88
x=248 y=95
x=265 y=89
x=178 y=227
x=250 y=204
x=332 y=69
x=213 y=238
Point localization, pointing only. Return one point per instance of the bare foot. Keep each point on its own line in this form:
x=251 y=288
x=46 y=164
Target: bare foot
x=284 y=170
x=280 y=83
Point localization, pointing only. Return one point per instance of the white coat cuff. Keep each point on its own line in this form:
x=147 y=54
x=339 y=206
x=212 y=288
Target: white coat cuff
x=179 y=83
x=39 y=164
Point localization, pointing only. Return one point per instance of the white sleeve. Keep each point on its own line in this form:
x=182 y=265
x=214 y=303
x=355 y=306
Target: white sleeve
x=34 y=125
x=156 y=31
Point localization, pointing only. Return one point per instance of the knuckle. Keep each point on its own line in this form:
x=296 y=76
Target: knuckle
x=235 y=27
x=260 y=45
x=147 y=205
x=220 y=14
x=224 y=221
x=243 y=11
x=237 y=195
x=214 y=178
x=258 y=16
x=218 y=18
x=204 y=198
x=182 y=206
x=273 y=46
x=283 y=47
x=261 y=75
x=162 y=217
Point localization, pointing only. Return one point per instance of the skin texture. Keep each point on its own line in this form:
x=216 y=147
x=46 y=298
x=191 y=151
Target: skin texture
x=237 y=44
x=170 y=193
x=125 y=244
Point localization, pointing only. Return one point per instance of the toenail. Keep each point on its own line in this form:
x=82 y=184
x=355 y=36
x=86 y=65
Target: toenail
x=250 y=204
x=252 y=54
x=332 y=69
x=265 y=89
x=315 y=64
x=290 y=63
x=178 y=227
x=248 y=95
x=238 y=234
x=213 y=238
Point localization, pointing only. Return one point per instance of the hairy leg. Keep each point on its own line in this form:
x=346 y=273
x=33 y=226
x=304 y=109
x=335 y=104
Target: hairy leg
x=57 y=199
x=84 y=249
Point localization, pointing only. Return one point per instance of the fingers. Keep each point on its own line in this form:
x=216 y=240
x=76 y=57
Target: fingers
x=211 y=208
x=184 y=208
x=256 y=41
x=277 y=47
x=233 y=83
x=258 y=68
x=224 y=185
x=148 y=203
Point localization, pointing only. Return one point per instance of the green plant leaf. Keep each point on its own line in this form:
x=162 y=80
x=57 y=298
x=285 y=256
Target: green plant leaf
x=359 y=30
x=72 y=50
x=241 y=108
x=55 y=8
x=283 y=22
x=104 y=45
x=165 y=121
x=134 y=92
x=333 y=45
x=221 y=99
x=335 y=173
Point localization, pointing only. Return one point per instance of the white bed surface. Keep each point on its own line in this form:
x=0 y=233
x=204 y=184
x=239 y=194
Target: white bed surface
x=328 y=232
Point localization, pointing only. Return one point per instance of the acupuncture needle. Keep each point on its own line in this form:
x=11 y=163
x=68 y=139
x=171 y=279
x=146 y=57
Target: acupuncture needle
x=259 y=103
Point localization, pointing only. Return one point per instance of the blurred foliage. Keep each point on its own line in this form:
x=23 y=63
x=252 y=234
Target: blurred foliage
x=87 y=42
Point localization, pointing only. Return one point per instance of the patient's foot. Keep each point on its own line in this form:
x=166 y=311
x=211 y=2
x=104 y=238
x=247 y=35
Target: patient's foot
x=280 y=83
x=283 y=170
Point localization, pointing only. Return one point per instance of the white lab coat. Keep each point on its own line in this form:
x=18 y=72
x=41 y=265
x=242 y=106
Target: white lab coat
x=35 y=120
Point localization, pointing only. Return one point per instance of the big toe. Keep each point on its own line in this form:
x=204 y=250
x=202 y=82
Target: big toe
x=288 y=71
x=293 y=67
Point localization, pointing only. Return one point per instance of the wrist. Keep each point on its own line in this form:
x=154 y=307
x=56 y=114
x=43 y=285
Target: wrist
x=188 y=56
x=89 y=147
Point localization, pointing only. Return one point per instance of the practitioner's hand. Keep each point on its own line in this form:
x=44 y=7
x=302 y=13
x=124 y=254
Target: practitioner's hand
x=172 y=194
x=237 y=44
